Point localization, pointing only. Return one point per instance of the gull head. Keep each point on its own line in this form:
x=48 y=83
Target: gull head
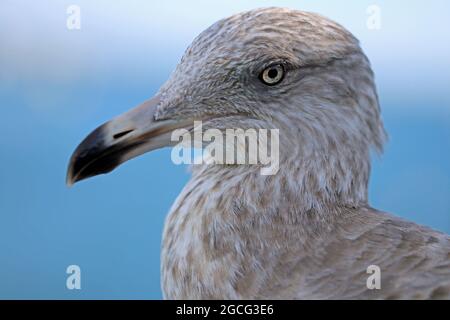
x=268 y=68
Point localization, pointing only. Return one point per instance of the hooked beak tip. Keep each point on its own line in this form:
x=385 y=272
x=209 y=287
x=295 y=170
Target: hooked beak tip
x=84 y=162
x=113 y=143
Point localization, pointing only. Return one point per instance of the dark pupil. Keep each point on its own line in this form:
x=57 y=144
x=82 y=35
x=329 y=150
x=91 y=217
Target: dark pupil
x=272 y=73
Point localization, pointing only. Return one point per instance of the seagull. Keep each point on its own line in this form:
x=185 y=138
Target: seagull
x=306 y=232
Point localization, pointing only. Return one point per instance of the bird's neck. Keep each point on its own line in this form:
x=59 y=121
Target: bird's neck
x=314 y=184
x=228 y=216
x=310 y=180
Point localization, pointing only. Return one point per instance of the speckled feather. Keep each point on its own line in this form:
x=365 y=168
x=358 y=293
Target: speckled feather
x=308 y=231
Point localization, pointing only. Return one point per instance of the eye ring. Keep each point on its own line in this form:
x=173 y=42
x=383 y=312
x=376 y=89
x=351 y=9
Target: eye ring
x=272 y=75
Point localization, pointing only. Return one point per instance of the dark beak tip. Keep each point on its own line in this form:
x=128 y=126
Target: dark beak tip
x=84 y=154
x=69 y=178
x=91 y=160
x=70 y=174
x=107 y=147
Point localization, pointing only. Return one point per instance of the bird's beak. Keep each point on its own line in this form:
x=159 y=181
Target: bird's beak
x=125 y=137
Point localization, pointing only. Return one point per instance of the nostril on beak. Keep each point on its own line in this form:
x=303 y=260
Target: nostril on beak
x=121 y=134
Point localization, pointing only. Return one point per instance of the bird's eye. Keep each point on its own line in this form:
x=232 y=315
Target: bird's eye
x=272 y=75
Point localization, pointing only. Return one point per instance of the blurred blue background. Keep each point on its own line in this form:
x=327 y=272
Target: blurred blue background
x=58 y=84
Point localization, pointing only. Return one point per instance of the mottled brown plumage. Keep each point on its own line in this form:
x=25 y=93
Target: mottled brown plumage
x=307 y=232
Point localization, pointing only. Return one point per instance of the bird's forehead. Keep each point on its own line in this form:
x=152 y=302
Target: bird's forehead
x=275 y=33
x=224 y=54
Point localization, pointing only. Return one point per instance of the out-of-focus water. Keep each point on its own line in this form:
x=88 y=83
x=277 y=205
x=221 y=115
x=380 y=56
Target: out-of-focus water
x=56 y=85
